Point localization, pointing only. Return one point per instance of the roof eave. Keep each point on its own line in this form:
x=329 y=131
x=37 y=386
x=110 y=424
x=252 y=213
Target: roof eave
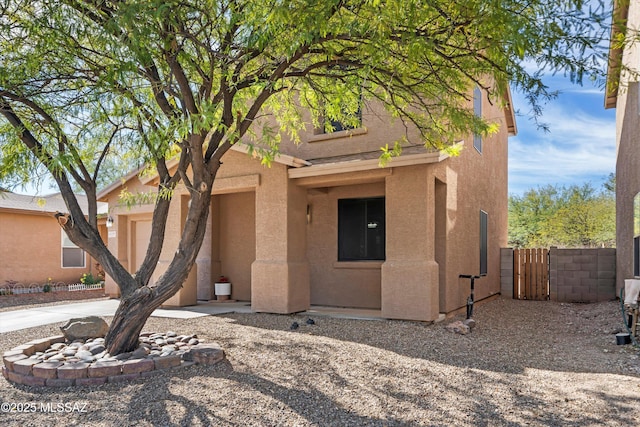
x=369 y=164
x=509 y=114
x=152 y=179
x=102 y=194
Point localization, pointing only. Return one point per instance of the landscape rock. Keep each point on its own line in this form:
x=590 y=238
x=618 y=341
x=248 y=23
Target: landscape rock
x=204 y=354
x=458 y=327
x=85 y=328
x=470 y=323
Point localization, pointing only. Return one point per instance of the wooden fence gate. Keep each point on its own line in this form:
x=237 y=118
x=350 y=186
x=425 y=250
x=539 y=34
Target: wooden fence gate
x=531 y=274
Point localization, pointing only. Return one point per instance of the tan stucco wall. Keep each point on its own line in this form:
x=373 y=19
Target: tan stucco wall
x=433 y=222
x=630 y=60
x=268 y=205
x=349 y=284
x=627 y=183
x=31 y=250
x=432 y=231
x=475 y=181
x=378 y=129
x=280 y=274
x=628 y=154
x=410 y=276
x=237 y=240
x=247 y=197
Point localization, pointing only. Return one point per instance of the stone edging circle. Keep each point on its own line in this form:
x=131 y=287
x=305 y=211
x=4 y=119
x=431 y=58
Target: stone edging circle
x=22 y=365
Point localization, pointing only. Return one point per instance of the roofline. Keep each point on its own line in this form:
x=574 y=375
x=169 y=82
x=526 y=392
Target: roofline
x=614 y=64
x=39 y=212
x=105 y=191
x=370 y=164
x=27 y=211
x=240 y=147
x=284 y=159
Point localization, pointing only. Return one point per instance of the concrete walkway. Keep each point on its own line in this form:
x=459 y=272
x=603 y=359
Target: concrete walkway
x=31 y=317
x=28 y=318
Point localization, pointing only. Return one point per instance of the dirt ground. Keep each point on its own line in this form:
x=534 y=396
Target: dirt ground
x=12 y=302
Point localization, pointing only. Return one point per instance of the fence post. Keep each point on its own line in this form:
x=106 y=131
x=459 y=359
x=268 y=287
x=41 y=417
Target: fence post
x=506 y=272
x=553 y=273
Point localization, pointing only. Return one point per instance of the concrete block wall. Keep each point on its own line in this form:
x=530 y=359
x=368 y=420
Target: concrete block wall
x=575 y=275
x=582 y=275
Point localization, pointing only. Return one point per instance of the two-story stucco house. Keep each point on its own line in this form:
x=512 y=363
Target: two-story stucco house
x=623 y=93
x=326 y=225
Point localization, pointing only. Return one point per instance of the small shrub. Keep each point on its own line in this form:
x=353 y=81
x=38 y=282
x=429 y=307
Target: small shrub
x=47 y=286
x=89 y=279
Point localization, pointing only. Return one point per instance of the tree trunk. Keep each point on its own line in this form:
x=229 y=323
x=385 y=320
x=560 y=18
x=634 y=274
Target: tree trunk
x=136 y=307
x=130 y=318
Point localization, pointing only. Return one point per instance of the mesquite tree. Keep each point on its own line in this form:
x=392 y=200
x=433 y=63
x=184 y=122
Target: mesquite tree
x=87 y=84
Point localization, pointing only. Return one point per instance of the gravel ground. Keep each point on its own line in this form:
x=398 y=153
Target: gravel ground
x=526 y=363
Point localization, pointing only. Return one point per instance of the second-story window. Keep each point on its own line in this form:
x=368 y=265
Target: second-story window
x=336 y=125
x=343 y=109
x=477 y=110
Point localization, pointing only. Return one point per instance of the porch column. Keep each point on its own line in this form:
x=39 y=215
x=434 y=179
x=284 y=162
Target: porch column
x=410 y=275
x=117 y=241
x=187 y=295
x=203 y=261
x=280 y=273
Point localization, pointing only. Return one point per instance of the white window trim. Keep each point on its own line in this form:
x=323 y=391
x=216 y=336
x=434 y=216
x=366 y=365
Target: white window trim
x=64 y=236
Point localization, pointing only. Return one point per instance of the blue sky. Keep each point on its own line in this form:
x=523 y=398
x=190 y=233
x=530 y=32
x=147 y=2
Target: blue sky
x=579 y=148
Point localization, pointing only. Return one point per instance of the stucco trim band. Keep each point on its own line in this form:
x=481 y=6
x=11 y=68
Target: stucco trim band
x=236 y=184
x=364 y=165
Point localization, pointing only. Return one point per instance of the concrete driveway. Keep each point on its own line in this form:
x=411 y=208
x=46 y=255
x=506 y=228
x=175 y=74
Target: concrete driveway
x=31 y=317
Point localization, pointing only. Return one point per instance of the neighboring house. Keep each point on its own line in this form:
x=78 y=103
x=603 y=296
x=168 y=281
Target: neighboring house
x=33 y=246
x=325 y=225
x=623 y=93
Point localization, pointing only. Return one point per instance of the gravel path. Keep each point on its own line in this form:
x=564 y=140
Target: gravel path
x=526 y=363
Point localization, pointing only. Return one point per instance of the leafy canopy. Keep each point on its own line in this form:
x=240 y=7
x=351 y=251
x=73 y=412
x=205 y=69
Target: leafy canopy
x=104 y=85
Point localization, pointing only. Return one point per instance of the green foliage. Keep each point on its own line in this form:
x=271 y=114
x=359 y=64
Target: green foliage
x=89 y=279
x=48 y=286
x=577 y=216
x=106 y=86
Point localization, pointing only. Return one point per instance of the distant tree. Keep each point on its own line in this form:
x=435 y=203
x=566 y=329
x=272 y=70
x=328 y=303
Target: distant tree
x=610 y=183
x=529 y=216
x=577 y=216
x=86 y=82
x=585 y=218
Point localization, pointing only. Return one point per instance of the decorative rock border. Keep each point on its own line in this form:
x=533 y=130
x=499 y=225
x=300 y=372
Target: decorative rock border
x=26 y=364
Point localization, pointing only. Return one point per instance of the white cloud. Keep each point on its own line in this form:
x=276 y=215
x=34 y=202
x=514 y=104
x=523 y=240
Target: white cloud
x=579 y=148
